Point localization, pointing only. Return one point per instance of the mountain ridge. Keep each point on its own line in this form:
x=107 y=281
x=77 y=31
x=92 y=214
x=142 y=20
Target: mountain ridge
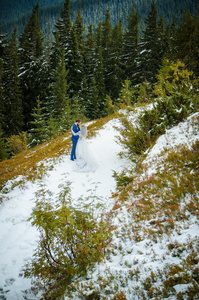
x=17 y=13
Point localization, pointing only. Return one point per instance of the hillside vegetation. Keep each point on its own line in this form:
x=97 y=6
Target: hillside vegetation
x=151 y=244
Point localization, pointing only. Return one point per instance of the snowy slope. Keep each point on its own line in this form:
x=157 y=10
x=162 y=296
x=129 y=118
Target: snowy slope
x=18 y=237
x=129 y=261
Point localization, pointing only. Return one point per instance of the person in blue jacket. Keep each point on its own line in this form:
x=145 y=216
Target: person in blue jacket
x=75 y=136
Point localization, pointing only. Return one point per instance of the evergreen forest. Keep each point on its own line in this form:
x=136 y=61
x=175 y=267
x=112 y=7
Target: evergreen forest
x=86 y=69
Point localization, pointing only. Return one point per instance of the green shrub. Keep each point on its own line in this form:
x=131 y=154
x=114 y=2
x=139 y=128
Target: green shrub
x=17 y=143
x=134 y=139
x=177 y=98
x=71 y=243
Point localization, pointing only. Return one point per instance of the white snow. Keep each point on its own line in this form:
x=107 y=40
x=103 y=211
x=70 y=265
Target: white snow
x=185 y=133
x=18 y=238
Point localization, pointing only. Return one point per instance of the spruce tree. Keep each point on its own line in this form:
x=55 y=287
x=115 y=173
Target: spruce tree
x=31 y=49
x=170 y=51
x=115 y=63
x=92 y=107
x=12 y=94
x=3 y=45
x=99 y=77
x=148 y=59
x=59 y=89
x=187 y=41
x=2 y=103
x=89 y=56
x=162 y=39
x=64 y=26
x=80 y=28
x=130 y=48
x=75 y=67
x=99 y=82
x=106 y=49
x=38 y=130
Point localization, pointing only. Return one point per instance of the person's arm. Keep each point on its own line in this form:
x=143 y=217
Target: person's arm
x=74 y=130
x=76 y=133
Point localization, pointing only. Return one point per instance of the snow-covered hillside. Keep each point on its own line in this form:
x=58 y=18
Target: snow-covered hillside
x=129 y=260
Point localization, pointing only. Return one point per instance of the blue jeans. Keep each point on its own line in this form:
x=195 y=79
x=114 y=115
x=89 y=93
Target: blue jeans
x=73 y=155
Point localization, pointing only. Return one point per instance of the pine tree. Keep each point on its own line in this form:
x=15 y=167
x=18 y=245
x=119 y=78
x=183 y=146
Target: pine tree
x=115 y=63
x=187 y=41
x=3 y=45
x=79 y=28
x=83 y=96
x=55 y=51
x=170 y=51
x=162 y=39
x=99 y=77
x=92 y=107
x=31 y=49
x=64 y=26
x=59 y=89
x=75 y=67
x=106 y=49
x=148 y=59
x=38 y=130
x=130 y=49
x=89 y=56
x=12 y=94
x=45 y=75
x=99 y=82
x=2 y=103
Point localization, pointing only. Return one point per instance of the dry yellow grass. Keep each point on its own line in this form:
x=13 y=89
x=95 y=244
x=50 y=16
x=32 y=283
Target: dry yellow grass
x=27 y=163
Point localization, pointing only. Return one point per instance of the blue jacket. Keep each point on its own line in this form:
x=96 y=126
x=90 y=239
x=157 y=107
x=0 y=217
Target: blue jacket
x=75 y=130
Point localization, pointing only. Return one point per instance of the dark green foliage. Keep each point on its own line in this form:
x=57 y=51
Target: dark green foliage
x=130 y=47
x=86 y=71
x=149 y=56
x=187 y=41
x=3 y=148
x=17 y=11
x=38 y=130
x=134 y=139
x=177 y=90
x=178 y=97
x=63 y=26
x=12 y=96
x=116 y=71
x=31 y=49
x=59 y=89
x=122 y=179
x=71 y=243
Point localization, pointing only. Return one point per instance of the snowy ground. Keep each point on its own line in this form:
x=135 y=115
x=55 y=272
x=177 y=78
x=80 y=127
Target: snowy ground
x=18 y=237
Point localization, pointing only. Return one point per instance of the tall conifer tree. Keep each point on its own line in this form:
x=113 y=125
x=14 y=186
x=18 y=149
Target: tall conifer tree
x=76 y=64
x=99 y=77
x=31 y=49
x=64 y=26
x=60 y=90
x=89 y=56
x=187 y=41
x=149 y=59
x=130 y=48
x=106 y=49
x=115 y=63
x=38 y=130
x=12 y=92
x=3 y=45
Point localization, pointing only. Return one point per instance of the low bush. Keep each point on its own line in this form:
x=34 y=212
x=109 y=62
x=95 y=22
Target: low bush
x=17 y=143
x=71 y=243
